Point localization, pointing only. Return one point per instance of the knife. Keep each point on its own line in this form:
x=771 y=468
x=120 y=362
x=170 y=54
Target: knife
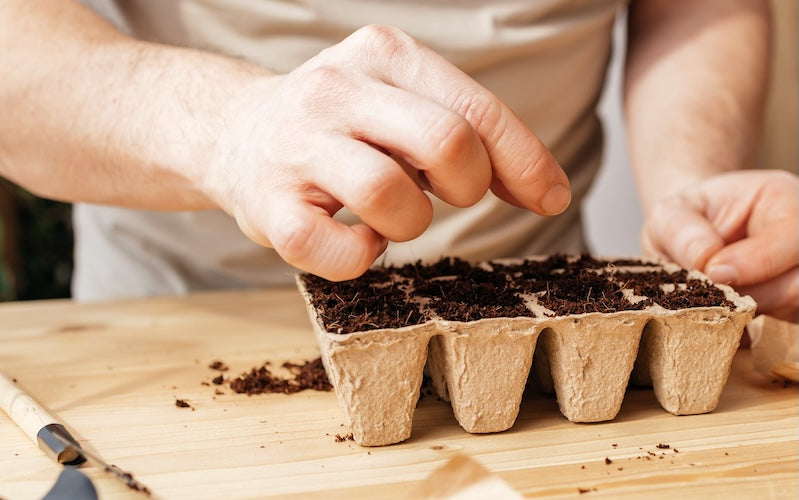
x=51 y=436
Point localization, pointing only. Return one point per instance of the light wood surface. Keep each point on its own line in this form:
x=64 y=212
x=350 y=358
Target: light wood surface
x=112 y=372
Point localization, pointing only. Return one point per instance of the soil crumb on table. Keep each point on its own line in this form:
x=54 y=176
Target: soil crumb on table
x=218 y=366
x=262 y=380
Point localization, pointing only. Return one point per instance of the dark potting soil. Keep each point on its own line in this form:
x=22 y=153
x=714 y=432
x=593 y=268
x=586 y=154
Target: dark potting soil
x=688 y=292
x=454 y=289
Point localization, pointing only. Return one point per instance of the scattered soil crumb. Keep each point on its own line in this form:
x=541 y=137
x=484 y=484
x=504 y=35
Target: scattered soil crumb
x=180 y=403
x=437 y=447
x=608 y=461
x=663 y=446
x=261 y=380
x=205 y=383
x=346 y=437
x=585 y=490
x=218 y=380
x=218 y=366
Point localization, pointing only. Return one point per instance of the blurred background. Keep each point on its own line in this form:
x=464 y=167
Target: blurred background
x=36 y=234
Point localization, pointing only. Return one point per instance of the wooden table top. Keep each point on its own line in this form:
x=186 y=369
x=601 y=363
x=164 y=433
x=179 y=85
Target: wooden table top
x=113 y=371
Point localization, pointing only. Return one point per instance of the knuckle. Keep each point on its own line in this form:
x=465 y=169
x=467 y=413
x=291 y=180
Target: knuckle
x=533 y=165
x=451 y=138
x=769 y=265
x=383 y=40
x=322 y=85
x=319 y=77
x=483 y=111
x=293 y=239
x=375 y=191
x=322 y=91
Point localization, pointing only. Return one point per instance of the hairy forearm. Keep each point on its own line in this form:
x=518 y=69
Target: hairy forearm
x=87 y=114
x=694 y=89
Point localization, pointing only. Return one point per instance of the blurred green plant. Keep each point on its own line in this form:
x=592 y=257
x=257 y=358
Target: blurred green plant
x=35 y=245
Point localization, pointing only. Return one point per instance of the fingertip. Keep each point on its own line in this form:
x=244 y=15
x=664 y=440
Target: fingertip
x=354 y=257
x=722 y=273
x=556 y=200
x=698 y=251
x=378 y=242
x=382 y=246
x=308 y=238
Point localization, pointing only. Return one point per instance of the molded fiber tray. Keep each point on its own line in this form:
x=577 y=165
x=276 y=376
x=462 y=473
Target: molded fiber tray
x=587 y=355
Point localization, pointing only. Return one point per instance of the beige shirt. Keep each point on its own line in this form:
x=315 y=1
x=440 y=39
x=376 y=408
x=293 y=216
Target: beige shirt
x=545 y=58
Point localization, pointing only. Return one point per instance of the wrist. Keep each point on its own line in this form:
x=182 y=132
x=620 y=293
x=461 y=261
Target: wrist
x=234 y=138
x=190 y=118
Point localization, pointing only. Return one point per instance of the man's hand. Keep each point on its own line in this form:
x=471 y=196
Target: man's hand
x=740 y=228
x=369 y=124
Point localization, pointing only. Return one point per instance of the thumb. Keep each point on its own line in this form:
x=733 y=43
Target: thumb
x=757 y=258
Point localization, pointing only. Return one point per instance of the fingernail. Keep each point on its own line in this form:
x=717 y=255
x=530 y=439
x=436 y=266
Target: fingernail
x=556 y=200
x=723 y=274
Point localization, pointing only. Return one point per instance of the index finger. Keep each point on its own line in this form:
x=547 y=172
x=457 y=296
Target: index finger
x=525 y=172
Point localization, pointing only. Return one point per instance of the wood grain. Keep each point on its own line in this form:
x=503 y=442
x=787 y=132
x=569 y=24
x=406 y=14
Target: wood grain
x=112 y=372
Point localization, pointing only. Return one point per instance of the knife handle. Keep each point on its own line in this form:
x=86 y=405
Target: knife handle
x=39 y=425
x=23 y=409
